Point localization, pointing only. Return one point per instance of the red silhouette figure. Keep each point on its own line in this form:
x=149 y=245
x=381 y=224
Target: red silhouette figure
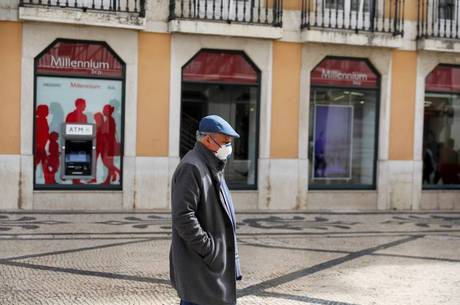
x=41 y=136
x=77 y=116
x=53 y=159
x=109 y=130
x=100 y=139
x=99 y=120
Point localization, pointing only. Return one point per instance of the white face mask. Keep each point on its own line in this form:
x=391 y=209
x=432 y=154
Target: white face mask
x=224 y=152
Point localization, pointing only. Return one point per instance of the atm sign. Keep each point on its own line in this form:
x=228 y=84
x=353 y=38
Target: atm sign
x=78 y=130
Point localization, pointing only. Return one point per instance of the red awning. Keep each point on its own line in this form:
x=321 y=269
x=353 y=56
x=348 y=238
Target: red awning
x=344 y=73
x=79 y=59
x=444 y=78
x=220 y=67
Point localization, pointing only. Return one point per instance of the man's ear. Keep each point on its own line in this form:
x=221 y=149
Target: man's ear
x=208 y=140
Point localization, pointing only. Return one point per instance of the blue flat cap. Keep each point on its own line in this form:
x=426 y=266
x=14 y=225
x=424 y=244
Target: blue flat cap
x=216 y=124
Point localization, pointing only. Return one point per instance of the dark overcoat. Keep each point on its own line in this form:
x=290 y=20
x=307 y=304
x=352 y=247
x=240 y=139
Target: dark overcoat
x=203 y=247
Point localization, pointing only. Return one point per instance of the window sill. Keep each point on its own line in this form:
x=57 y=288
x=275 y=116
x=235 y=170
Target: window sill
x=225 y=29
x=372 y=39
x=439 y=44
x=77 y=16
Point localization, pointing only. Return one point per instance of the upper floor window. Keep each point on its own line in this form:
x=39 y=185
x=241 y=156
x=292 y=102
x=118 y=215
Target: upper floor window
x=349 y=5
x=447 y=9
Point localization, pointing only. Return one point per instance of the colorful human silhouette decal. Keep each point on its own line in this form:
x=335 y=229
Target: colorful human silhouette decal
x=58 y=116
x=53 y=158
x=77 y=116
x=99 y=121
x=41 y=137
x=111 y=145
x=106 y=144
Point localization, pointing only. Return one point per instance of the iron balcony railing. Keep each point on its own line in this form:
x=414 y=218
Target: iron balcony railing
x=265 y=12
x=438 y=19
x=125 y=6
x=386 y=16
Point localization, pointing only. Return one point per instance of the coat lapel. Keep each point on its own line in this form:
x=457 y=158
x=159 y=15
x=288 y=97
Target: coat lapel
x=222 y=199
x=212 y=164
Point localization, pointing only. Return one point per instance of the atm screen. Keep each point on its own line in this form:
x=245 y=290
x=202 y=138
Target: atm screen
x=79 y=156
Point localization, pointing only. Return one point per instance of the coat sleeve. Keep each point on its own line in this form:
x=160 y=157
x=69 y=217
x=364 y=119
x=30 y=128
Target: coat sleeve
x=185 y=196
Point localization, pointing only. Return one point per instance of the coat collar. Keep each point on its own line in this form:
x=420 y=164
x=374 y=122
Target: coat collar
x=215 y=165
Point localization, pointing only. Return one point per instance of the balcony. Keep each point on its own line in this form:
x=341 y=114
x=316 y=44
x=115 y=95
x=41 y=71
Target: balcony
x=357 y=22
x=227 y=17
x=438 y=25
x=114 y=13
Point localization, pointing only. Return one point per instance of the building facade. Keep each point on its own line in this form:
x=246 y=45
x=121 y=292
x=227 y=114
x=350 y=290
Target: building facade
x=341 y=104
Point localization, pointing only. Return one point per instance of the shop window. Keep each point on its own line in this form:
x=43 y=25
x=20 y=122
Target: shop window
x=343 y=124
x=225 y=83
x=78 y=119
x=441 y=133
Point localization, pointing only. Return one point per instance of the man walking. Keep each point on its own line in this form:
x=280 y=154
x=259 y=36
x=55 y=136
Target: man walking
x=204 y=261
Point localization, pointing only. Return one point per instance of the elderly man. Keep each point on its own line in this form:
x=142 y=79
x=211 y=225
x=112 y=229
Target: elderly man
x=204 y=261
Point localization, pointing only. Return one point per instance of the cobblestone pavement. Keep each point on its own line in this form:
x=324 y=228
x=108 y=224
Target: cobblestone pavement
x=107 y=258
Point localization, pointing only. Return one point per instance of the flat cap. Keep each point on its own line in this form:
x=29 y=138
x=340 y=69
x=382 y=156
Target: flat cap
x=216 y=124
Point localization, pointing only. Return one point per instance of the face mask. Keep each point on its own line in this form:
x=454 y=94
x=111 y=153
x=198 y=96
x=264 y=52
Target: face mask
x=224 y=151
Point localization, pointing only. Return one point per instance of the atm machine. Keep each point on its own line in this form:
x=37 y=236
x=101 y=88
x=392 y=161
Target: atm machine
x=78 y=146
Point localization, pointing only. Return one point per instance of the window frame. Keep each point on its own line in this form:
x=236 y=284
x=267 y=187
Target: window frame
x=232 y=186
x=442 y=186
x=336 y=186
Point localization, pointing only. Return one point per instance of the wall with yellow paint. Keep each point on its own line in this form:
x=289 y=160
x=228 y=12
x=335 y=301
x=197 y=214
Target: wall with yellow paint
x=285 y=100
x=153 y=94
x=403 y=86
x=410 y=10
x=294 y=5
x=10 y=91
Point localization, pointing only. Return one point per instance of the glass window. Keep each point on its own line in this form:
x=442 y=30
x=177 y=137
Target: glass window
x=335 y=4
x=342 y=137
x=441 y=140
x=446 y=9
x=78 y=84
x=441 y=133
x=225 y=84
x=343 y=124
x=361 y=5
x=354 y=5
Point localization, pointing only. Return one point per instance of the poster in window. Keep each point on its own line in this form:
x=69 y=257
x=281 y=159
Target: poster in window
x=332 y=142
x=77 y=100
